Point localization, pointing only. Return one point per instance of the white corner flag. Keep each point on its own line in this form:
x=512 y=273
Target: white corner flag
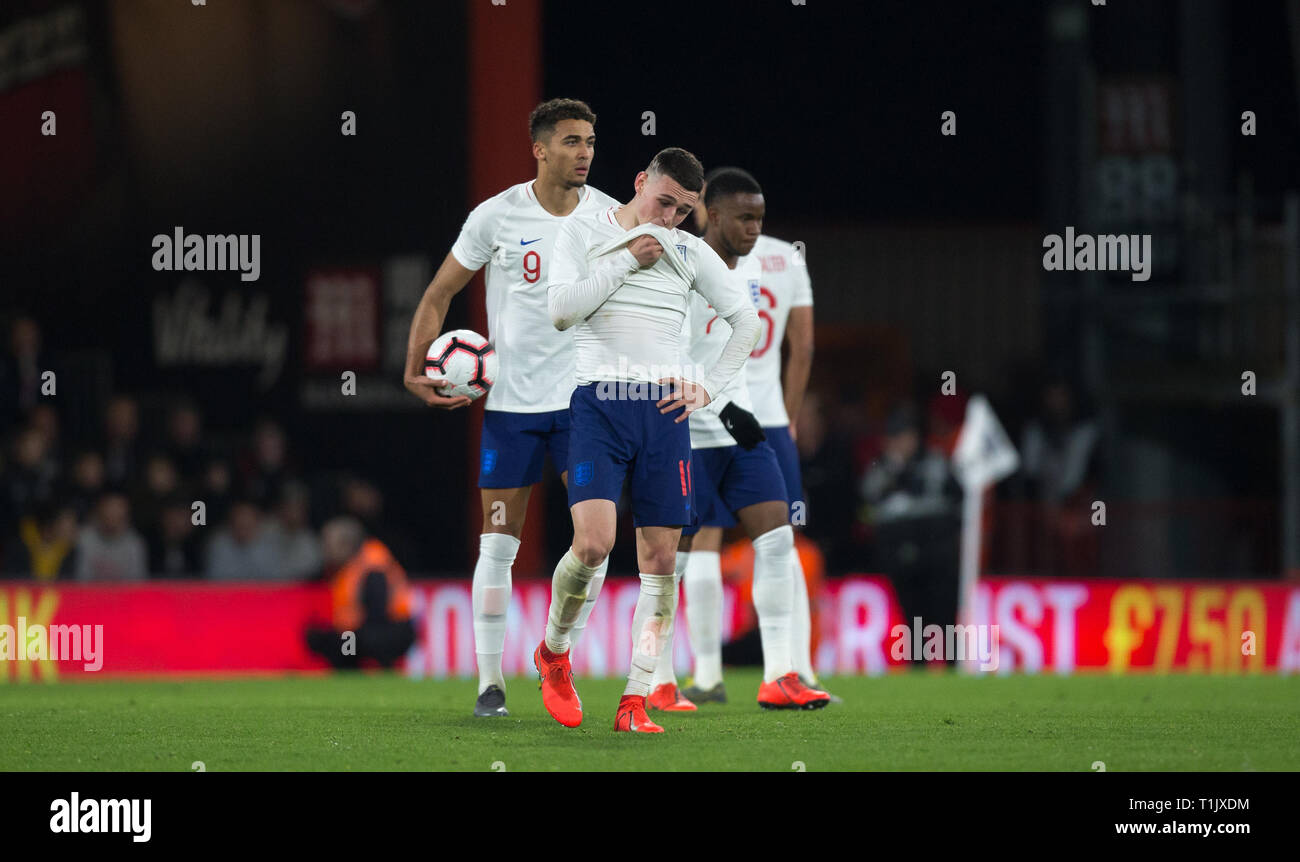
x=983 y=457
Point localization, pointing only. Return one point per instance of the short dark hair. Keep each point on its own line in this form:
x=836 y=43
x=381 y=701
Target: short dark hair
x=721 y=182
x=681 y=166
x=542 y=121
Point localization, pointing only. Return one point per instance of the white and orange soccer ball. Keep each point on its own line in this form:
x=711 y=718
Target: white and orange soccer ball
x=466 y=360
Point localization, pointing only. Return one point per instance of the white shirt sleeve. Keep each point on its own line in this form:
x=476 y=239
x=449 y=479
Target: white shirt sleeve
x=714 y=283
x=576 y=289
x=476 y=244
x=802 y=295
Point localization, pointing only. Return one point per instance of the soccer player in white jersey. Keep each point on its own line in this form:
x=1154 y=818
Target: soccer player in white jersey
x=736 y=471
x=785 y=306
x=785 y=309
x=527 y=409
x=622 y=279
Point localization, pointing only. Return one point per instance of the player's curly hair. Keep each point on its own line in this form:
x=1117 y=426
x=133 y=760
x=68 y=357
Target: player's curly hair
x=721 y=182
x=680 y=165
x=542 y=121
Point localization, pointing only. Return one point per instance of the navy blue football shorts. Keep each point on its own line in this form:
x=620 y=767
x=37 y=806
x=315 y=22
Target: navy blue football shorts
x=514 y=447
x=617 y=433
x=729 y=478
x=787 y=455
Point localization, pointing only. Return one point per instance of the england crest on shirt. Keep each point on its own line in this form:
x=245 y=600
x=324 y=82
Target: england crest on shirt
x=681 y=248
x=754 y=292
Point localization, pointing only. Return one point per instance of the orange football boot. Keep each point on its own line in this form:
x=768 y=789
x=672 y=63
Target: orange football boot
x=670 y=699
x=558 y=694
x=632 y=716
x=788 y=692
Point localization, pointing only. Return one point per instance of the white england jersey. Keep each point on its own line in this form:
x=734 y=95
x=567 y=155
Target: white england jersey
x=703 y=339
x=514 y=236
x=784 y=285
x=627 y=320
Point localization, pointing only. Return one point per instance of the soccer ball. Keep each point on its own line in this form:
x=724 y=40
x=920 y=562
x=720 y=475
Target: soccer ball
x=465 y=358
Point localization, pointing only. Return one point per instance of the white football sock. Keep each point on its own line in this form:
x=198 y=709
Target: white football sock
x=652 y=626
x=569 y=586
x=664 y=673
x=703 y=578
x=801 y=622
x=773 y=597
x=593 y=593
x=490 y=596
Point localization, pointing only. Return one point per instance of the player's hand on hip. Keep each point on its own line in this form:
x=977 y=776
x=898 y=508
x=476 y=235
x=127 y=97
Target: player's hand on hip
x=686 y=394
x=646 y=250
x=426 y=389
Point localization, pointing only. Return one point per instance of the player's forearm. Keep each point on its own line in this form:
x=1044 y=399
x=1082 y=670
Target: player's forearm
x=745 y=330
x=425 y=327
x=797 y=372
x=572 y=301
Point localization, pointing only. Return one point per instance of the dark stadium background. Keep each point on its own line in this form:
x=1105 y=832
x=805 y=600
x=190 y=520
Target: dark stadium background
x=924 y=250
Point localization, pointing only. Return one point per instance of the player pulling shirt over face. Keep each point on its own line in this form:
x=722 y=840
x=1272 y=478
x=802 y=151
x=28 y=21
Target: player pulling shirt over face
x=621 y=279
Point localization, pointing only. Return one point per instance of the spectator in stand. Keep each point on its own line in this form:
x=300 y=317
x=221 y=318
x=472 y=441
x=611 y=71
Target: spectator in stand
x=1058 y=448
x=215 y=490
x=87 y=482
x=265 y=469
x=21 y=367
x=914 y=505
x=370 y=599
x=242 y=550
x=122 y=444
x=109 y=548
x=174 y=550
x=45 y=419
x=160 y=484
x=45 y=544
x=185 y=441
x=30 y=476
x=297 y=548
x=1058 y=471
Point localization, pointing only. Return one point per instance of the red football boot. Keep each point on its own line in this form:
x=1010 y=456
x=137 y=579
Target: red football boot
x=788 y=692
x=632 y=716
x=668 y=698
x=558 y=694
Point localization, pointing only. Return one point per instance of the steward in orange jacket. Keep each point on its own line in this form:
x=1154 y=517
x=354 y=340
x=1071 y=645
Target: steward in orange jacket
x=370 y=600
x=356 y=595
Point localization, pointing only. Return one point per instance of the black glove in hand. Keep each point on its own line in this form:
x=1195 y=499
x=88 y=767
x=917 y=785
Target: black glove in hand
x=742 y=425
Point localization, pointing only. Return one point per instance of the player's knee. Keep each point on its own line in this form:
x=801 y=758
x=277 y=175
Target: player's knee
x=779 y=540
x=764 y=518
x=591 y=550
x=660 y=561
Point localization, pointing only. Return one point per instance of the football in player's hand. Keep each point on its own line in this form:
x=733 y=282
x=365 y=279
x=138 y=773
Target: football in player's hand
x=465 y=360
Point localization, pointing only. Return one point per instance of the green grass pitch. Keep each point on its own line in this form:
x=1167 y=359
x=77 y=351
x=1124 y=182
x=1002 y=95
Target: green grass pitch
x=907 y=721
